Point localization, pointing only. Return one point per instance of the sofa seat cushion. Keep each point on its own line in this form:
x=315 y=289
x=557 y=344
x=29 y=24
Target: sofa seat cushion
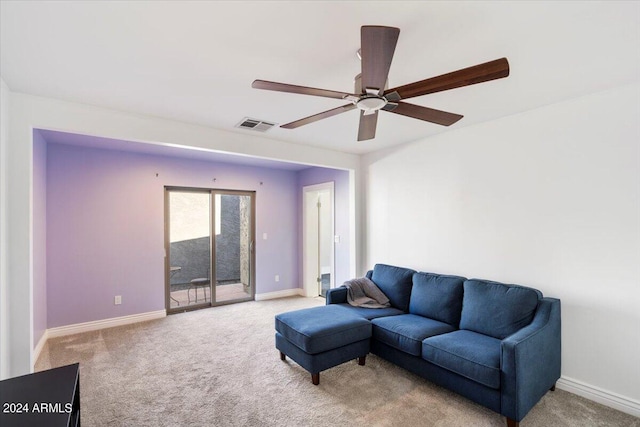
x=406 y=332
x=497 y=309
x=470 y=354
x=395 y=283
x=319 y=329
x=437 y=297
x=369 y=313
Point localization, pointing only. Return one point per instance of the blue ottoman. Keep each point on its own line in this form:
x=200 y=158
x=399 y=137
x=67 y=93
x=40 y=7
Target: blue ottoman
x=320 y=338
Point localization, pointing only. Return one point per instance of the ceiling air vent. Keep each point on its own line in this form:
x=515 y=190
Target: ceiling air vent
x=254 y=124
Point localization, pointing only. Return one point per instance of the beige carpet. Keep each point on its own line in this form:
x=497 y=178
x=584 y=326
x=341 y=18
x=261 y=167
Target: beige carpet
x=219 y=367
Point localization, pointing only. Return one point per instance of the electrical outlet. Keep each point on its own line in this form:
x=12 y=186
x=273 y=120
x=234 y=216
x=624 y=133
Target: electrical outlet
x=277 y=277
x=117 y=300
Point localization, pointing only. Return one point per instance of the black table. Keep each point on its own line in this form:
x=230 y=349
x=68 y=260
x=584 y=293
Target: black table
x=48 y=399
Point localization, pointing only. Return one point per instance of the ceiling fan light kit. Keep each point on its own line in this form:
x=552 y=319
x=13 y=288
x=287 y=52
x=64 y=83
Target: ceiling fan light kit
x=371 y=95
x=371 y=104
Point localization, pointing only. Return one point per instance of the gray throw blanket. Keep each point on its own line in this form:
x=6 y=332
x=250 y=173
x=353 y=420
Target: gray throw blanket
x=364 y=293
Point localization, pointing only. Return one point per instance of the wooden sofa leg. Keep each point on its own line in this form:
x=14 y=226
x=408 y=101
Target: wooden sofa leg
x=553 y=388
x=361 y=360
x=512 y=423
x=283 y=356
x=315 y=378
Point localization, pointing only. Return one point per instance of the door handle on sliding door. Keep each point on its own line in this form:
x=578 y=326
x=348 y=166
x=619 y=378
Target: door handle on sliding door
x=251 y=246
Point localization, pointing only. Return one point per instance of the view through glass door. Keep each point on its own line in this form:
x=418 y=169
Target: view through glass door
x=209 y=244
x=233 y=242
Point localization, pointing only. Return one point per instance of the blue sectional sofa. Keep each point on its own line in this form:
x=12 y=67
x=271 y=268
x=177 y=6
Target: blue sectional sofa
x=496 y=344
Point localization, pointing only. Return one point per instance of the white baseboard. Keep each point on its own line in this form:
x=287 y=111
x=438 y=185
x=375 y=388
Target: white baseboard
x=104 y=323
x=41 y=342
x=605 y=397
x=280 y=294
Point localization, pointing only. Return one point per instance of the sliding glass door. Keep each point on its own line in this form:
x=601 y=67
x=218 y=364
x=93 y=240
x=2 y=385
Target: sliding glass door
x=233 y=242
x=209 y=238
x=188 y=229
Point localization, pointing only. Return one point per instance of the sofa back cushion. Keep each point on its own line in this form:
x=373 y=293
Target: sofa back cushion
x=497 y=309
x=437 y=297
x=395 y=282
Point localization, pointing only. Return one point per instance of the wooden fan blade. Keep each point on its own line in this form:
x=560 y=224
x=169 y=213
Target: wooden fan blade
x=468 y=76
x=304 y=90
x=367 y=128
x=377 y=47
x=426 y=114
x=318 y=116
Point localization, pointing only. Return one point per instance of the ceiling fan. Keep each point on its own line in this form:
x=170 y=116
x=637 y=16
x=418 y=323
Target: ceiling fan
x=378 y=44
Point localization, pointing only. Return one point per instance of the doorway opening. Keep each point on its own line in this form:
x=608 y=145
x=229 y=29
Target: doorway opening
x=318 y=238
x=209 y=245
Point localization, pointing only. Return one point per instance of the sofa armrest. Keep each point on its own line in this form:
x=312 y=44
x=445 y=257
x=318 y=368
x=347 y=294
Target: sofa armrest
x=336 y=295
x=530 y=361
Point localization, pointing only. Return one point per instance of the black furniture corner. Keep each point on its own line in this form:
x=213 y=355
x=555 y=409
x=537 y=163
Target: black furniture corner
x=48 y=399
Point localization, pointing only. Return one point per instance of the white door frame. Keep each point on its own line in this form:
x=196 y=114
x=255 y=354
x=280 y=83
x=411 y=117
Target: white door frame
x=311 y=288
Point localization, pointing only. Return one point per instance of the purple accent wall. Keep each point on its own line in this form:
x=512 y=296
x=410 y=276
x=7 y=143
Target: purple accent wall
x=105 y=227
x=315 y=175
x=39 y=236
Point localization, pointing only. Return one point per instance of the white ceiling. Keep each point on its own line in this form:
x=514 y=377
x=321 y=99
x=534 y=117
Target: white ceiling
x=195 y=61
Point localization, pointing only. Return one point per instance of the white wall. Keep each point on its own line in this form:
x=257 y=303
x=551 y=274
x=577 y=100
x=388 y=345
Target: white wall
x=28 y=112
x=39 y=233
x=4 y=288
x=548 y=198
